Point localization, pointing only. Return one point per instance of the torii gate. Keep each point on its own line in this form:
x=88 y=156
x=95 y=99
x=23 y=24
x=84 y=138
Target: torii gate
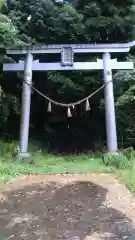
x=67 y=63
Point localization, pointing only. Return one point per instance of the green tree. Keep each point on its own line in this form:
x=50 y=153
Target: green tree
x=46 y=21
x=107 y=21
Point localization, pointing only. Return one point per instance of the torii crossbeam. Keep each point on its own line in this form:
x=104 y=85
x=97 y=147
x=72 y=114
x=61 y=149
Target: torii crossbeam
x=82 y=66
x=67 y=63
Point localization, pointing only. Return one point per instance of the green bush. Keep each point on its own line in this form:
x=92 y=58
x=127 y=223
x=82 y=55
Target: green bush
x=7 y=148
x=120 y=161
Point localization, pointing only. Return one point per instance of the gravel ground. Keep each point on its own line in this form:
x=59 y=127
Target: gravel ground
x=72 y=207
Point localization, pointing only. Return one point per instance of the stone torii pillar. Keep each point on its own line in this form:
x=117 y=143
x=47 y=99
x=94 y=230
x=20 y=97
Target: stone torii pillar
x=111 y=132
x=26 y=102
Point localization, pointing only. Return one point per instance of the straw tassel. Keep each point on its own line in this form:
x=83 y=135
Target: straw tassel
x=87 y=107
x=49 y=107
x=69 y=114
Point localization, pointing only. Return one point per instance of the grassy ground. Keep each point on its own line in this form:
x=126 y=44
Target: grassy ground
x=122 y=165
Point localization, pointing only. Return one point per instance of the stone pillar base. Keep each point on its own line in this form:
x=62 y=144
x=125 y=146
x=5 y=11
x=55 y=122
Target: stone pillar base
x=23 y=157
x=112 y=153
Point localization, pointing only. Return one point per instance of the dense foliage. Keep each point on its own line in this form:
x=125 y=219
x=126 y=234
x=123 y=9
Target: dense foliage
x=77 y=21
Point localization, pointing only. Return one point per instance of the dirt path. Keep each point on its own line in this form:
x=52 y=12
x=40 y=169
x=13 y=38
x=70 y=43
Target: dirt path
x=72 y=207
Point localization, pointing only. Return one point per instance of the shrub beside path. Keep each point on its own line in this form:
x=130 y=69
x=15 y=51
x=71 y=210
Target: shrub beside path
x=66 y=206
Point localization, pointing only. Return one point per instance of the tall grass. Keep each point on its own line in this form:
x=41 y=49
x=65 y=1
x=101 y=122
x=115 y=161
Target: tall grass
x=45 y=163
x=122 y=164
